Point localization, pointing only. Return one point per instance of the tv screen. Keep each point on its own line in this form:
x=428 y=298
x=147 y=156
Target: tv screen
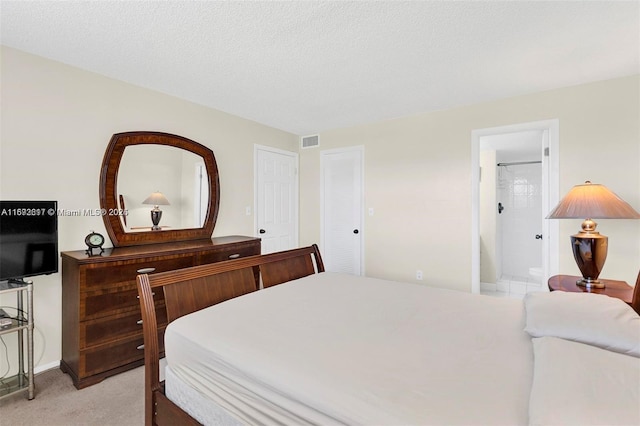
x=28 y=238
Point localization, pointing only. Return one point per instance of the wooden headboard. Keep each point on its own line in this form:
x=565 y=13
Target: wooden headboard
x=191 y=289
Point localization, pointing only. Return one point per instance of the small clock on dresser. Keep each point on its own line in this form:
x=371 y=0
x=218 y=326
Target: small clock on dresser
x=94 y=241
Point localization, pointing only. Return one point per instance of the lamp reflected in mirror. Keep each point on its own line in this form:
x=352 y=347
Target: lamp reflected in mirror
x=156 y=199
x=591 y=201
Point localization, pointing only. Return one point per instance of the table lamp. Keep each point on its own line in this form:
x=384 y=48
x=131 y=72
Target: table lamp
x=156 y=199
x=591 y=201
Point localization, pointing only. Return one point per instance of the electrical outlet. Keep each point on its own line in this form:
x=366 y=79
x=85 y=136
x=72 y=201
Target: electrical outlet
x=418 y=274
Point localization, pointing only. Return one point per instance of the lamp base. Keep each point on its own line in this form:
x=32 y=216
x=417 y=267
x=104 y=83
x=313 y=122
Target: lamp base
x=589 y=283
x=156 y=215
x=589 y=252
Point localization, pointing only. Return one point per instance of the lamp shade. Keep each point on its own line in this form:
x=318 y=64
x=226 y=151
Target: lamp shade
x=156 y=199
x=592 y=201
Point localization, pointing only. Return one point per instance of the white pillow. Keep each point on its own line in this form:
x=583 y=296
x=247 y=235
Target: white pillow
x=590 y=318
x=577 y=384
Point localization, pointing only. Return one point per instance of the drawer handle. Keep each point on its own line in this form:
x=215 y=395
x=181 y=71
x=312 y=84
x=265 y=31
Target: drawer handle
x=234 y=256
x=153 y=294
x=145 y=270
x=139 y=322
x=141 y=347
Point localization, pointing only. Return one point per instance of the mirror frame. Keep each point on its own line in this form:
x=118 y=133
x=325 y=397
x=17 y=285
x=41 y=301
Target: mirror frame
x=109 y=197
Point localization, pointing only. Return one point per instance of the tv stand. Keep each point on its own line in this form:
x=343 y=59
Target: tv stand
x=21 y=322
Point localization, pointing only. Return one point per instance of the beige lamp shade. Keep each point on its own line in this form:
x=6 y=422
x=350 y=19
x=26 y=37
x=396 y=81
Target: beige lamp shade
x=591 y=201
x=156 y=199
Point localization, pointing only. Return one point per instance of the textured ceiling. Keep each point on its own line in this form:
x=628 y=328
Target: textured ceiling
x=306 y=67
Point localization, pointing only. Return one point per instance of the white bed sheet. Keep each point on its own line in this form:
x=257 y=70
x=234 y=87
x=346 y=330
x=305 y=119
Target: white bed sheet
x=195 y=403
x=576 y=384
x=341 y=349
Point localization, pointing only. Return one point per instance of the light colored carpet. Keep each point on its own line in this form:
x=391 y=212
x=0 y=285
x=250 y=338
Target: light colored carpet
x=118 y=400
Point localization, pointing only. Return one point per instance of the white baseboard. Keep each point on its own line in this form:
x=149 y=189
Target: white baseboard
x=45 y=367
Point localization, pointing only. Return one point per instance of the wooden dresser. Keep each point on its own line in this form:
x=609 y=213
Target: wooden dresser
x=101 y=322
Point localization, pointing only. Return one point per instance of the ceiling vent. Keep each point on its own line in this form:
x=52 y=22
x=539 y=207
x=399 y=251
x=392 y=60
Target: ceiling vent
x=310 y=141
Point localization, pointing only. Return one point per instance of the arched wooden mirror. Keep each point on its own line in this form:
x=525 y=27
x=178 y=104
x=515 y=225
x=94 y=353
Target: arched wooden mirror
x=139 y=165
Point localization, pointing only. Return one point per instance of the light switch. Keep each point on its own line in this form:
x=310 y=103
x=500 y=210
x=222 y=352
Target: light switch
x=370 y=211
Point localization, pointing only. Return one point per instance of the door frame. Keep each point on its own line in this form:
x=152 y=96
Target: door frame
x=323 y=154
x=296 y=191
x=551 y=228
x=200 y=207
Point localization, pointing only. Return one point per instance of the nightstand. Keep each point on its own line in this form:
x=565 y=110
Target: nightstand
x=613 y=288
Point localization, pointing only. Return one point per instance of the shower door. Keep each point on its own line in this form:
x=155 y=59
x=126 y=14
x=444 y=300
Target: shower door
x=520 y=194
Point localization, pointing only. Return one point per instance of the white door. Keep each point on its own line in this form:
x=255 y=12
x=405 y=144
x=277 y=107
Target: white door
x=276 y=203
x=342 y=209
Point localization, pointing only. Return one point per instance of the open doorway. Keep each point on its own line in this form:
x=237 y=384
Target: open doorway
x=515 y=184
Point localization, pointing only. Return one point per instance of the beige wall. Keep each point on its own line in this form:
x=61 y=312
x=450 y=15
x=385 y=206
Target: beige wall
x=56 y=122
x=418 y=179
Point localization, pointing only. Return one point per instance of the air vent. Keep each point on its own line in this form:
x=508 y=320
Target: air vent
x=310 y=141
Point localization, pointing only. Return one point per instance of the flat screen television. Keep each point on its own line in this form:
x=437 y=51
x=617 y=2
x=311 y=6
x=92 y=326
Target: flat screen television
x=28 y=239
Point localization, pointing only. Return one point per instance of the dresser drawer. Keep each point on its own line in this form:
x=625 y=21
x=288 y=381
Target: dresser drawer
x=102 y=274
x=114 y=327
x=114 y=354
x=112 y=301
x=228 y=254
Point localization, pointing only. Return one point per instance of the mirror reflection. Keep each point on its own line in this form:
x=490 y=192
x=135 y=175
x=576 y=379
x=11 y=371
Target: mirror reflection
x=162 y=188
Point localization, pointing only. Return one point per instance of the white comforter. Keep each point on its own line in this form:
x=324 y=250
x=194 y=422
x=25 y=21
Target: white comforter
x=341 y=349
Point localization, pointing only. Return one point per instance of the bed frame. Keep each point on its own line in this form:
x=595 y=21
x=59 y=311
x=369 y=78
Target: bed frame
x=191 y=289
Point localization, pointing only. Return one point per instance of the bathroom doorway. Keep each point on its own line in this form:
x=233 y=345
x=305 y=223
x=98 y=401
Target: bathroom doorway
x=515 y=247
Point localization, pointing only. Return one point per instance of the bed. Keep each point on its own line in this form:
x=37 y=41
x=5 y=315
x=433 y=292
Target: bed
x=274 y=339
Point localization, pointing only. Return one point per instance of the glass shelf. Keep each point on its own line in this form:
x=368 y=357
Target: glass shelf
x=22 y=324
